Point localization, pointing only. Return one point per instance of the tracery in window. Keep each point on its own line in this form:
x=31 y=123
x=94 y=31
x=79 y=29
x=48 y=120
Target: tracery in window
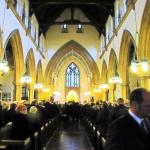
x=72 y=76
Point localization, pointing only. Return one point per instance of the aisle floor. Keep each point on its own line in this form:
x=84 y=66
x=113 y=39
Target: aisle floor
x=70 y=136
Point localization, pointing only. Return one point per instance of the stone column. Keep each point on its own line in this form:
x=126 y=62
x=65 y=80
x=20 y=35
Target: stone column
x=125 y=90
x=104 y=94
x=145 y=83
x=39 y=94
x=17 y=91
x=31 y=93
x=111 y=92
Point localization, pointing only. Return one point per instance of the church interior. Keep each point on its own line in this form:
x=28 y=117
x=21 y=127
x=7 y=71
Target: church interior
x=64 y=51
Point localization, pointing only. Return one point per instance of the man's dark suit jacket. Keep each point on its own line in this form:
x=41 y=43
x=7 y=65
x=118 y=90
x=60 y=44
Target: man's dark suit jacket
x=125 y=134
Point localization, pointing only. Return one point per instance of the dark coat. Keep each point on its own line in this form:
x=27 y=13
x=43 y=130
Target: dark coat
x=126 y=134
x=20 y=127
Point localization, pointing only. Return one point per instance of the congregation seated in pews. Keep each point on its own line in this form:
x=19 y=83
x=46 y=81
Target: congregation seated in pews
x=27 y=126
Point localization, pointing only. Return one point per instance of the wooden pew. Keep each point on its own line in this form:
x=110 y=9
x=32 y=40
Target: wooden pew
x=16 y=144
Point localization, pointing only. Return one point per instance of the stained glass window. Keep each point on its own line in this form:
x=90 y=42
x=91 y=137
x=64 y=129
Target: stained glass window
x=72 y=76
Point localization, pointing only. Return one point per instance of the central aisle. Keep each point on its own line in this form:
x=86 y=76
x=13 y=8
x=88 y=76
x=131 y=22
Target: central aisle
x=70 y=136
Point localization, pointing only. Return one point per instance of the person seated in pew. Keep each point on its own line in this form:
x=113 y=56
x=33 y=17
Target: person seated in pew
x=20 y=124
x=34 y=119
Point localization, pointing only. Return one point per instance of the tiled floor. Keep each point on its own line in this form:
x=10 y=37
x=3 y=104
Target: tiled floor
x=70 y=136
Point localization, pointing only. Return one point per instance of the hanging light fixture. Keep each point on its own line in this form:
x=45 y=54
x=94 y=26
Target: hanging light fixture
x=4 y=65
x=115 y=79
x=139 y=66
x=46 y=90
x=38 y=86
x=3 y=62
x=25 y=78
x=87 y=93
x=96 y=90
x=104 y=86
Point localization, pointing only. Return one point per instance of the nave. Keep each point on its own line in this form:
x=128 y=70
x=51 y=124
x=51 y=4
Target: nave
x=71 y=135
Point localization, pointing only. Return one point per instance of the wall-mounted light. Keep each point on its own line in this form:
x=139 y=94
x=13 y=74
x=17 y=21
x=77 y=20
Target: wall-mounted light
x=79 y=28
x=64 y=28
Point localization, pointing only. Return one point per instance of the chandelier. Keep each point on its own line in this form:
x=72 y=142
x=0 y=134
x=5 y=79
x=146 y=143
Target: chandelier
x=4 y=66
x=38 y=86
x=139 y=66
x=115 y=79
x=104 y=86
x=25 y=78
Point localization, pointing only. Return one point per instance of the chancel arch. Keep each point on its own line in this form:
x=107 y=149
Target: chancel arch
x=71 y=51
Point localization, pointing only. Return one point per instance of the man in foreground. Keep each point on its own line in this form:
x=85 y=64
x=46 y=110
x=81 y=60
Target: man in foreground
x=130 y=132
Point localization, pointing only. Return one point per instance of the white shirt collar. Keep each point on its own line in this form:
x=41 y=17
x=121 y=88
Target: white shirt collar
x=135 y=117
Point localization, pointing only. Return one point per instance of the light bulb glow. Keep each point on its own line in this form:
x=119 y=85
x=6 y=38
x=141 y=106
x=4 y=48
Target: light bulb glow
x=104 y=86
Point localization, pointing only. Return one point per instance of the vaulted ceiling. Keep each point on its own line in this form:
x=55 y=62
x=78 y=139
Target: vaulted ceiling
x=47 y=12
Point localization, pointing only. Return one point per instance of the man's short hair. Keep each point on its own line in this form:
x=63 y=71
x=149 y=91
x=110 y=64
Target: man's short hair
x=120 y=100
x=137 y=95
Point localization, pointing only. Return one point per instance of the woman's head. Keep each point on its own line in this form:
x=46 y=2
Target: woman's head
x=21 y=108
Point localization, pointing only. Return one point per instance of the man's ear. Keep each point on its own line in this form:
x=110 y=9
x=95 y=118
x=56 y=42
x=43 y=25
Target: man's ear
x=134 y=105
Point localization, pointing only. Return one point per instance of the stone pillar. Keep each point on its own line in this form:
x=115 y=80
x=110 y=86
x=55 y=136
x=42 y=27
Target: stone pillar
x=39 y=94
x=31 y=93
x=111 y=92
x=125 y=91
x=17 y=92
x=145 y=82
x=104 y=94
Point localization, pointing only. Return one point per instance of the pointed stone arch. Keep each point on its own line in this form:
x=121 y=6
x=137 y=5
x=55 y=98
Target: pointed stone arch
x=113 y=62
x=66 y=48
x=143 y=50
x=39 y=75
x=124 y=53
x=39 y=79
x=126 y=42
x=30 y=61
x=31 y=69
x=18 y=58
x=104 y=78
